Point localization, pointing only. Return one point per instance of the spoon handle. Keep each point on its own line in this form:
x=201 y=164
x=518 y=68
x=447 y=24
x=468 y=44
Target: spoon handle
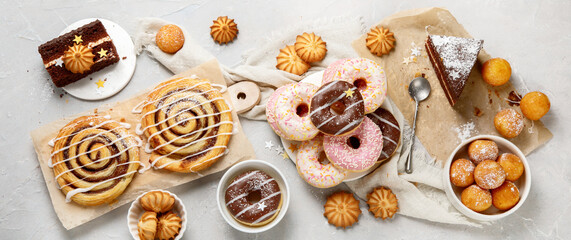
x=408 y=166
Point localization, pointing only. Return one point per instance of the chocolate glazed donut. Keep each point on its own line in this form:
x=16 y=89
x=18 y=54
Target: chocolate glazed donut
x=391 y=131
x=337 y=108
x=253 y=198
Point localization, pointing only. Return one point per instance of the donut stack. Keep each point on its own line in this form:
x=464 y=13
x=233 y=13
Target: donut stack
x=339 y=123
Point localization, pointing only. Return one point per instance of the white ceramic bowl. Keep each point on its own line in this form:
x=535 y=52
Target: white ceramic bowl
x=136 y=211
x=453 y=193
x=237 y=170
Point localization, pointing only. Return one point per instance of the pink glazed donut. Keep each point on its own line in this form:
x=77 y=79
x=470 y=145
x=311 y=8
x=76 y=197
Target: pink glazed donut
x=365 y=74
x=290 y=111
x=312 y=170
x=358 y=151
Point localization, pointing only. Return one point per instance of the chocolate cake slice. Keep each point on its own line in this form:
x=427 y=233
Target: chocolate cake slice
x=94 y=37
x=452 y=59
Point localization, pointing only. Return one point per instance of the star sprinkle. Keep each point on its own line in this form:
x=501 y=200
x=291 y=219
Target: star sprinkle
x=279 y=149
x=262 y=206
x=59 y=62
x=77 y=39
x=415 y=51
x=102 y=53
x=99 y=91
x=349 y=92
x=269 y=145
x=407 y=60
x=100 y=83
x=293 y=147
x=454 y=75
x=284 y=155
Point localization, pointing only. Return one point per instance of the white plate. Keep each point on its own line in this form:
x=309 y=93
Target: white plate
x=315 y=79
x=117 y=75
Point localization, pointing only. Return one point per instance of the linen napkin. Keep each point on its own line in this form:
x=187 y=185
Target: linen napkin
x=423 y=200
x=420 y=194
x=259 y=64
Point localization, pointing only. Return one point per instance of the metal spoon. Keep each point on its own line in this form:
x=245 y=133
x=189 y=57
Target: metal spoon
x=419 y=89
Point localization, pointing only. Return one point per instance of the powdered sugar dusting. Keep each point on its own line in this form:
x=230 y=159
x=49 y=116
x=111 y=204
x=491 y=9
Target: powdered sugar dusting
x=458 y=56
x=516 y=119
x=465 y=131
x=462 y=172
x=481 y=197
x=511 y=121
x=481 y=150
x=455 y=52
x=489 y=175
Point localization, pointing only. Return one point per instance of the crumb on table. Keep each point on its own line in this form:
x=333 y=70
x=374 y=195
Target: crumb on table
x=478 y=112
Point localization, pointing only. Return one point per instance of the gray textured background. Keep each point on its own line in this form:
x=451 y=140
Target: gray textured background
x=534 y=36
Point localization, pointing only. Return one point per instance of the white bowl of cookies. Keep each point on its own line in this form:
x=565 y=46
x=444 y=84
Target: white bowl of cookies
x=157 y=214
x=253 y=196
x=487 y=178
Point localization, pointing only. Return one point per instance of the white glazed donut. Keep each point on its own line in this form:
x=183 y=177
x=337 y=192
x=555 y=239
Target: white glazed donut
x=291 y=111
x=312 y=170
x=357 y=151
x=270 y=112
x=332 y=69
x=365 y=74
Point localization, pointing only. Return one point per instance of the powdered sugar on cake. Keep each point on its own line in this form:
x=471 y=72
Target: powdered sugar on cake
x=455 y=58
x=452 y=59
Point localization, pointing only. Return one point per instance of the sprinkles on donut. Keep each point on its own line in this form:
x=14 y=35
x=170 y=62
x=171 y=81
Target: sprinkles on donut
x=357 y=151
x=311 y=168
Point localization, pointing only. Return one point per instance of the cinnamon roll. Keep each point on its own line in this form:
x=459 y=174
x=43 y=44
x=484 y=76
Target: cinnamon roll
x=187 y=124
x=94 y=159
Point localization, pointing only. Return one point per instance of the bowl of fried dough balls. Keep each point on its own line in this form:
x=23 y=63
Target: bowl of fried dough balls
x=487 y=178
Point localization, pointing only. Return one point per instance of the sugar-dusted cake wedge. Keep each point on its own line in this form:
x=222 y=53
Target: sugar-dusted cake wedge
x=452 y=59
x=76 y=54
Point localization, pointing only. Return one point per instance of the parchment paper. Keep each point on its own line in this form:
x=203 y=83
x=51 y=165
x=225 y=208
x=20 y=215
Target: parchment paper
x=438 y=122
x=72 y=215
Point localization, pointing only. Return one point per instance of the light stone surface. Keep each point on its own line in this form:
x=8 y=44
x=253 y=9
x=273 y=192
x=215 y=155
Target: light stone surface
x=533 y=36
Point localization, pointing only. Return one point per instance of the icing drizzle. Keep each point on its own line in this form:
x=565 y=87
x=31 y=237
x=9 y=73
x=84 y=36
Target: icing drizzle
x=324 y=99
x=83 y=162
x=167 y=128
x=247 y=183
x=390 y=129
